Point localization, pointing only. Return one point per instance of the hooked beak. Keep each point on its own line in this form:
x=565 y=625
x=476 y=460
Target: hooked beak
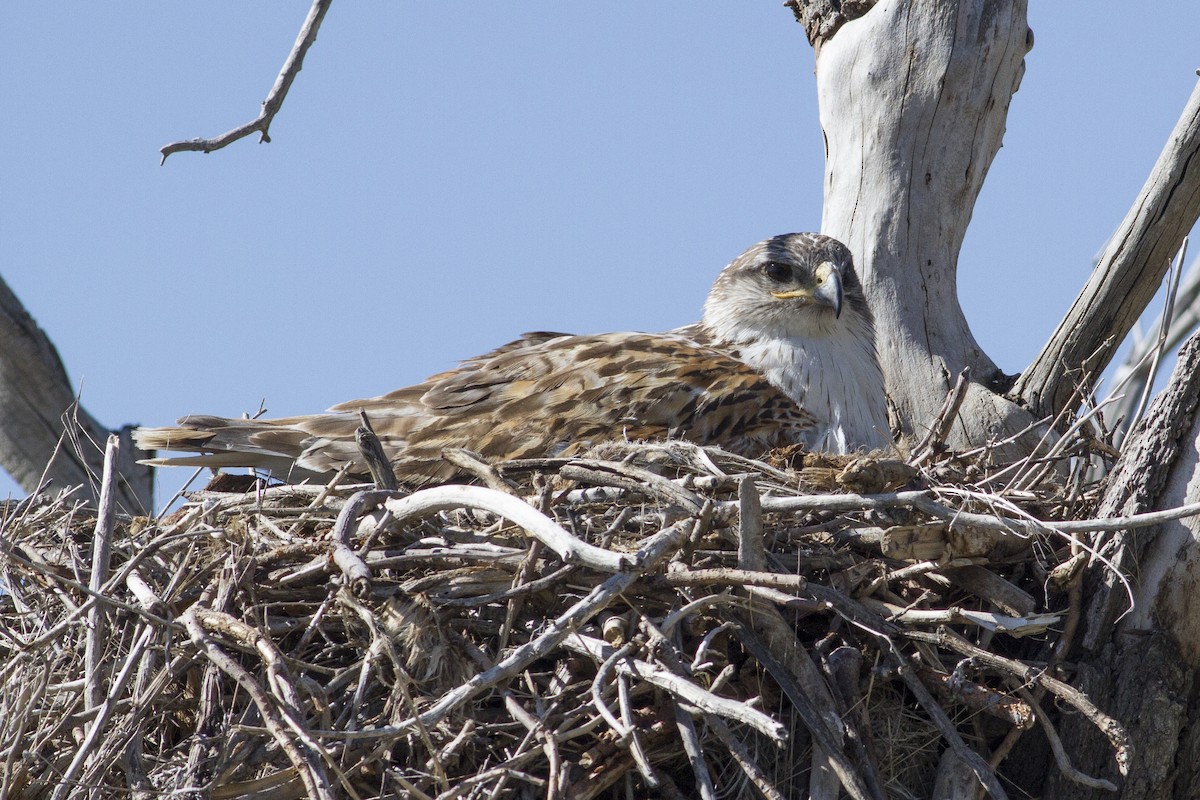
x=828 y=289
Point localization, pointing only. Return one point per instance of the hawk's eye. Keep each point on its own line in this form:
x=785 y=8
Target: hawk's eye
x=777 y=272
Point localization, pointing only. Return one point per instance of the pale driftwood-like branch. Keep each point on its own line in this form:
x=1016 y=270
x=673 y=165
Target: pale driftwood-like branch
x=988 y=620
x=38 y=407
x=93 y=654
x=1129 y=273
x=569 y=548
x=274 y=101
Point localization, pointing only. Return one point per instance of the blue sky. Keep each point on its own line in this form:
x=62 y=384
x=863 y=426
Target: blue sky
x=444 y=177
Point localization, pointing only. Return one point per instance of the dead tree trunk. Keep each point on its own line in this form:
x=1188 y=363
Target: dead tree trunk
x=914 y=97
x=44 y=435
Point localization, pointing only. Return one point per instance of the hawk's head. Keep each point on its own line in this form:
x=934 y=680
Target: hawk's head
x=794 y=285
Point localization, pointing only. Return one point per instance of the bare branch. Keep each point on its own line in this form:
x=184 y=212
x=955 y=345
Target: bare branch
x=274 y=101
x=1135 y=378
x=1129 y=273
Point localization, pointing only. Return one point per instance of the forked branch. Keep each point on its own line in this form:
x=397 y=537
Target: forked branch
x=274 y=101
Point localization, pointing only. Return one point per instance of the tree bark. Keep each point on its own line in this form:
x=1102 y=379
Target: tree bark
x=1140 y=662
x=44 y=434
x=913 y=99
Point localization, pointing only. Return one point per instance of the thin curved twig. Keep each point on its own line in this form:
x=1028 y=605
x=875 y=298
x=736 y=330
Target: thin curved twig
x=1060 y=754
x=274 y=101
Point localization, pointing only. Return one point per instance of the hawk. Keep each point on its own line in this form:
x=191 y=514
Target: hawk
x=784 y=354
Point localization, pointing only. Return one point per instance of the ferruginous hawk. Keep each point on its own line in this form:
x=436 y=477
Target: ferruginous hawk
x=784 y=354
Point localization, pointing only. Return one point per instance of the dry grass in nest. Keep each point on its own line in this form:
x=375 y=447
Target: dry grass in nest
x=657 y=620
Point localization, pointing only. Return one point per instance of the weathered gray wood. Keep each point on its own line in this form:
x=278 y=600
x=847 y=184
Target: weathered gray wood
x=1129 y=273
x=35 y=394
x=822 y=18
x=1155 y=472
x=913 y=99
x=1140 y=664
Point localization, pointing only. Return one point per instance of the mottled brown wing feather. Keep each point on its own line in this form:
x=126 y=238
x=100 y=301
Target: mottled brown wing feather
x=543 y=396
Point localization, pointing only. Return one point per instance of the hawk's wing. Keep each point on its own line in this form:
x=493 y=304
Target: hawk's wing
x=543 y=395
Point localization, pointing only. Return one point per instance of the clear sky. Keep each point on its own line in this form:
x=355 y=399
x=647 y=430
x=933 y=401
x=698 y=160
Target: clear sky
x=445 y=176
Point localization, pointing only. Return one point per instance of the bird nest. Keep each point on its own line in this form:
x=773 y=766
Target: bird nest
x=653 y=620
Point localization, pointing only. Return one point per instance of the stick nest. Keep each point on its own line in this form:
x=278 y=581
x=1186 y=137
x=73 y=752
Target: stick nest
x=659 y=620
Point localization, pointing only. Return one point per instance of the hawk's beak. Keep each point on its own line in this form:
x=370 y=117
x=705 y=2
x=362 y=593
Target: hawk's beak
x=828 y=289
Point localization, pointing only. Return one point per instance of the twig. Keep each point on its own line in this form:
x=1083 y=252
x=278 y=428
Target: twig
x=549 y=745
x=358 y=574
x=726 y=576
x=1060 y=755
x=274 y=101
x=371 y=450
x=607 y=665
x=751 y=551
x=988 y=620
x=1025 y=527
x=304 y=757
x=685 y=690
x=517 y=590
x=97 y=637
x=798 y=677
x=631 y=478
x=695 y=753
x=741 y=754
x=66 y=784
x=655 y=549
x=516 y=600
x=935 y=439
x=471 y=462
x=939 y=718
x=1128 y=274
x=645 y=768
x=1165 y=325
x=1111 y=728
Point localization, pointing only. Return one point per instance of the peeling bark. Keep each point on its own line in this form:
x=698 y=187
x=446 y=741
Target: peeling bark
x=822 y=18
